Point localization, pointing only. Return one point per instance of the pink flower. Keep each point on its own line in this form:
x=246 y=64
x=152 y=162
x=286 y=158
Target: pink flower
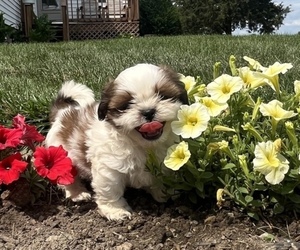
x=54 y=164
x=11 y=168
x=30 y=134
x=9 y=138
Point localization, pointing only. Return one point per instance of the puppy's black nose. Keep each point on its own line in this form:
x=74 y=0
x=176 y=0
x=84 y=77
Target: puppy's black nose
x=148 y=114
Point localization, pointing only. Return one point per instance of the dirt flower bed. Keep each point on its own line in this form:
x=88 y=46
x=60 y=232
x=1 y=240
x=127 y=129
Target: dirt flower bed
x=173 y=225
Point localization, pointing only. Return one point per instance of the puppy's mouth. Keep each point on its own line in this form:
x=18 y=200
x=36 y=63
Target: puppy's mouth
x=151 y=130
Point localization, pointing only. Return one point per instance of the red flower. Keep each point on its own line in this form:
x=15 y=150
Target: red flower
x=54 y=164
x=11 y=168
x=9 y=138
x=30 y=134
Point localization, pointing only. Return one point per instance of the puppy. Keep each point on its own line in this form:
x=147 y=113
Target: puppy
x=109 y=141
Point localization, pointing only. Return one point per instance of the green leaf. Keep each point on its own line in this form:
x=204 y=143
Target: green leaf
x=243 y=190
x=294 y=198
x=256 y=203
x=248 y=198
x=278 y=209
x=206 y=175
x=199 y=185
x=253 y=215
x=229 y=166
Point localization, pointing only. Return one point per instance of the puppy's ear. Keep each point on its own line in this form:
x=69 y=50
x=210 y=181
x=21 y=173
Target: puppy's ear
x=179 y=89
x=183 y=97
x=106 y=95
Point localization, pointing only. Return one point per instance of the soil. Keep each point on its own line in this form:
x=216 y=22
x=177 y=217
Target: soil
x=172 y=225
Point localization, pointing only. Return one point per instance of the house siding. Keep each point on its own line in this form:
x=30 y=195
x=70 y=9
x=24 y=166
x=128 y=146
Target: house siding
x=12 y=12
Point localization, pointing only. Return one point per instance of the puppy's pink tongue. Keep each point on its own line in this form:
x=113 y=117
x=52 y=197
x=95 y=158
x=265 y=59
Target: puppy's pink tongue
x=150 y=127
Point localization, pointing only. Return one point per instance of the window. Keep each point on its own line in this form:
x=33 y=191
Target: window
x=50 y=4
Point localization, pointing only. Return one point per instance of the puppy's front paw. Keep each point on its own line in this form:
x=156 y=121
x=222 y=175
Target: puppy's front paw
x=82 y=196
x=118 y=210
x=114 y=213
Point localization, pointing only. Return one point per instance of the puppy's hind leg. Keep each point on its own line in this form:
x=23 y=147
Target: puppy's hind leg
x=76 y=191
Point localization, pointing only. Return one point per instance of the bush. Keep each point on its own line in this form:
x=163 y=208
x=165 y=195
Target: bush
x=42 y=30
x=238 y=140
x=5 y=30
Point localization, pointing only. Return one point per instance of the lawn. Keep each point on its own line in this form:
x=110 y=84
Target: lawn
x=32 y=73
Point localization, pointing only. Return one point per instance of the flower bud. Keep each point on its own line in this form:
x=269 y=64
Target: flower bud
x=290 y=130
x=219 y=197
x=243 y=164
x=232 y=65
x=216 y=72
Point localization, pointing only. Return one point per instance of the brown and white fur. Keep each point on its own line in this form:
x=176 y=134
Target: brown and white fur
x=105 y=140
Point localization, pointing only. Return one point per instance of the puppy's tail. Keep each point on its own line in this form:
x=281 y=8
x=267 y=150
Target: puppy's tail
x=70 y=95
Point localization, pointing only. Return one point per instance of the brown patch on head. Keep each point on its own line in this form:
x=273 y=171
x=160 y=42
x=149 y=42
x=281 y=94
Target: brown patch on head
x=112 y=103
x=170 y=87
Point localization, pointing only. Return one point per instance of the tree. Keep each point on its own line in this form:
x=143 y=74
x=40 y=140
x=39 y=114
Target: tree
x=159 y=17
x=225 y=16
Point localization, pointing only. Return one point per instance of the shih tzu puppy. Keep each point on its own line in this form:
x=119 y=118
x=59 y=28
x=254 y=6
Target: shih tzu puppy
x=108 y=141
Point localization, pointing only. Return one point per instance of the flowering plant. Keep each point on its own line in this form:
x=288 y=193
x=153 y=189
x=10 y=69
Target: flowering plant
x=22 y=158
x=238 y=140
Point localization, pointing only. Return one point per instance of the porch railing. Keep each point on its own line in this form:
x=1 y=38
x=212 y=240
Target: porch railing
x=103 y=10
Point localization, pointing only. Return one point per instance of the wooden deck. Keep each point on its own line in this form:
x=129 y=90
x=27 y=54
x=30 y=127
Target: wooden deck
x=95 y=19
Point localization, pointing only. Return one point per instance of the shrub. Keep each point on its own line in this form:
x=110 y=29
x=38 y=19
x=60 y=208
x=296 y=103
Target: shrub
x=42 y=30
x=238 y=140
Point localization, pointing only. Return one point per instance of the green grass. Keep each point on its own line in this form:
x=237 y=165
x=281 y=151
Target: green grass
x=31 y=74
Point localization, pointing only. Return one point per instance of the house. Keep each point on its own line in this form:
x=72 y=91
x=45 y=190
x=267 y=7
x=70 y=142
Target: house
x=79 y=19
x=11 y=10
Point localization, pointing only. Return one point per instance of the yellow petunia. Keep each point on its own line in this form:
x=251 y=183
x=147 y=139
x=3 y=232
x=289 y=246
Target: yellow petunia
x=297 y=87
x=251 y=80
x=192 y=120
x=270 y=162
x=223 y=87
x=254 y=64
x=277 y=68
x=275 y=110
x=271 y=74
x=177 y=156
x=214 y=108
x=189 y=82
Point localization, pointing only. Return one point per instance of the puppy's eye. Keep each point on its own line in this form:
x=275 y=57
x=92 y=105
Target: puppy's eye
x=165 y=97
x=124 y=106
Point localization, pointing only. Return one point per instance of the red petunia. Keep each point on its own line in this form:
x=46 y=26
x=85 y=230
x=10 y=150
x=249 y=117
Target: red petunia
x=54 y=164
x=10 y=138
x=30 y=134
x=11 y=167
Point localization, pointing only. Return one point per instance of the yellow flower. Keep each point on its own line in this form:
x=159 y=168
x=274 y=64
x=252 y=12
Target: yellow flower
x=192 y=120
x=297 y=87
x=223 y=87
x=271 y=74
x=277 y=68
x=177 y=156
x=223 y=144
x=270 y=162
x=219 y=197
x=275 y=110
x=250 y=79
x=189 y=82
x=214 y=108
x=254 y=64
